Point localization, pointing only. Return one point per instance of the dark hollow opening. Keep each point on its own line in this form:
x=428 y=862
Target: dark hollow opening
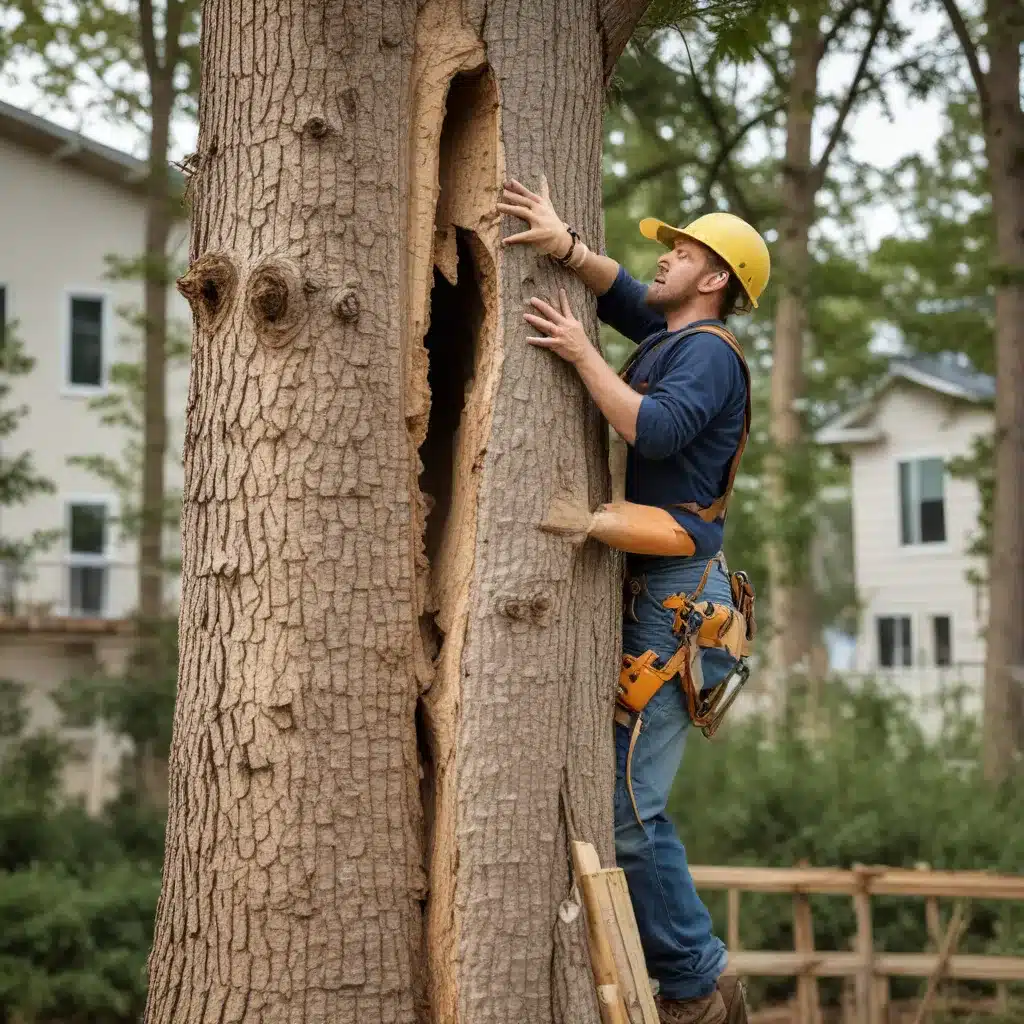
x=456 y=313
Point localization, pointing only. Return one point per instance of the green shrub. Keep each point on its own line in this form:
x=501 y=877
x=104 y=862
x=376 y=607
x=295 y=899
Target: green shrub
x=871 y=787
x=74 y=949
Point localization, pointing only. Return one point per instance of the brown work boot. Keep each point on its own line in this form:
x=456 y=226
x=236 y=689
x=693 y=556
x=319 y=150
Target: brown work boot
x=734 y=995
x=705 y=1010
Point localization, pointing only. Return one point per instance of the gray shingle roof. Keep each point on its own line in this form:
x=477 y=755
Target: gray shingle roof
x=45 y=137
x=947 y=374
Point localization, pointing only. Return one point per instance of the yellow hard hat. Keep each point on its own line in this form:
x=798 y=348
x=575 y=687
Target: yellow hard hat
x=729 y=236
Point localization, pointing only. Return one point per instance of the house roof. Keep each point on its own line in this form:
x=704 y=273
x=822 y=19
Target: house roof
x=65 y=146
x=944 y=375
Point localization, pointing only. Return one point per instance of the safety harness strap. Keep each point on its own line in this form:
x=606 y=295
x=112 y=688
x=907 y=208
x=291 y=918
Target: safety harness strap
x=718 y=507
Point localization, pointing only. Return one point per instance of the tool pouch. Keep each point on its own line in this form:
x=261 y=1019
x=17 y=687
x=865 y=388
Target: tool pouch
x=721 y=626
x=640 y=679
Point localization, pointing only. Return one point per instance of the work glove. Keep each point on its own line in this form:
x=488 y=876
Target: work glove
x=546 y=231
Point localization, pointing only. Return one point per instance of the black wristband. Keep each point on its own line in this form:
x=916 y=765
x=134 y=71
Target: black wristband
x=564 y=260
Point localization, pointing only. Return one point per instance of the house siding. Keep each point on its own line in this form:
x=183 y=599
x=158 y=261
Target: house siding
x=923 y=580
x=60 y=224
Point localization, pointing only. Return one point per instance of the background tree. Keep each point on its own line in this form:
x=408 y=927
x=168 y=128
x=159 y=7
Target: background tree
x=1002 y=117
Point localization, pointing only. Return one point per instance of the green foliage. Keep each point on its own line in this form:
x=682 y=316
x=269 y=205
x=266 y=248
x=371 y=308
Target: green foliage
x=74 y=950
x=869 y=786
x=77 y=893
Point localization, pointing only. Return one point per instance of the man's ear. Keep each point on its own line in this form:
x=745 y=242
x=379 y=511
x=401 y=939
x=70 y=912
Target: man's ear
x=714 y=282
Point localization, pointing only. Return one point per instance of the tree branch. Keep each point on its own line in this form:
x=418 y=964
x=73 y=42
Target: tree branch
x=631 y=181
x=970 y=52
x=148 y=31
x=781 y=81
x=881 y=10
x=708 y=105
x=616 y=20
x=723 y=159
x=842 y=19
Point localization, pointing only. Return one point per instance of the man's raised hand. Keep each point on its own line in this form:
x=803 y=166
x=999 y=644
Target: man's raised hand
x=546 y=230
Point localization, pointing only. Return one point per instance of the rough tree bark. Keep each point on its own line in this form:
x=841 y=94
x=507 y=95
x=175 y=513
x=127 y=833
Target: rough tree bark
x=795 y=635
x=395 y=694
x=1003 y=123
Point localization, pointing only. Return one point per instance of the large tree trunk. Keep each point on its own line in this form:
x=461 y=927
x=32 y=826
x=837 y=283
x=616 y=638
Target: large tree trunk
x=394 y=711
x=792 y=604
x=1004 y=133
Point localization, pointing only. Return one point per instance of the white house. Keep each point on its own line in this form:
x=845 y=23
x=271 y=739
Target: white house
x=921 y=621
x=66 y=204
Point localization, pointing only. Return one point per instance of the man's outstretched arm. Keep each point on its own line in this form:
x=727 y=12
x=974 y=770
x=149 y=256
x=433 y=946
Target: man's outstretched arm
x=548 y=234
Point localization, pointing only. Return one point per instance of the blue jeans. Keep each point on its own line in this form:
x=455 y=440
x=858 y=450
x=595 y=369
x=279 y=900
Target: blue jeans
x=680 y=947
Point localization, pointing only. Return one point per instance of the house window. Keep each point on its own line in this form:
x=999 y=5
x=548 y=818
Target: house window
x=85 y=342
x=922 y=502
x=942 y=636
x=88 y=570
x=894 y=641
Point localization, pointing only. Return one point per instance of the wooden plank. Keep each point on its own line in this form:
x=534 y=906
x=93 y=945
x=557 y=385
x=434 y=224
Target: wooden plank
x=828 y=964
x=807 y=1001
x=865 y=945
x=629 y=955
x=620 y=970
x=609 y=997
x=879 y=881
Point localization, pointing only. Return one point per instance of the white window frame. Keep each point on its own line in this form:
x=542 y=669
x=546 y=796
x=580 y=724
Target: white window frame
x=914 y=651
x=921 y=547
x=76 y=561
x=106 y=327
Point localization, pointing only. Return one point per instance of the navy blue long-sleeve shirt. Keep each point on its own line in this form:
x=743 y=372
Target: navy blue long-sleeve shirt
x=691 y=416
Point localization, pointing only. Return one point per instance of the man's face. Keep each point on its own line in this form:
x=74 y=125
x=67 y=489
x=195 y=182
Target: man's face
x=683 y=273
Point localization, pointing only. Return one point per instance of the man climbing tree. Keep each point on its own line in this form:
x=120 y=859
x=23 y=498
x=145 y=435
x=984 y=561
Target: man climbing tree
x=683 y=407
x=396 y=692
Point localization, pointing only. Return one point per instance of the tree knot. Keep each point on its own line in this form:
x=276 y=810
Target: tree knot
x=209 y=286
x=276 y=300
x=346 y=304
x=316 y=127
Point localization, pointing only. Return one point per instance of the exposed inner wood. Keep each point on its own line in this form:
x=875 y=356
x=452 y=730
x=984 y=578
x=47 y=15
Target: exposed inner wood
x=453 y=363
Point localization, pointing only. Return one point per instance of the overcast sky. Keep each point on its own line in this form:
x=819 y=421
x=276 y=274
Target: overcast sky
x=874 y=139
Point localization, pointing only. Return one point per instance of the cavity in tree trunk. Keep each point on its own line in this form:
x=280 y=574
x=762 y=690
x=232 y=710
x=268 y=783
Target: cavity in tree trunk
x=395 y=695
